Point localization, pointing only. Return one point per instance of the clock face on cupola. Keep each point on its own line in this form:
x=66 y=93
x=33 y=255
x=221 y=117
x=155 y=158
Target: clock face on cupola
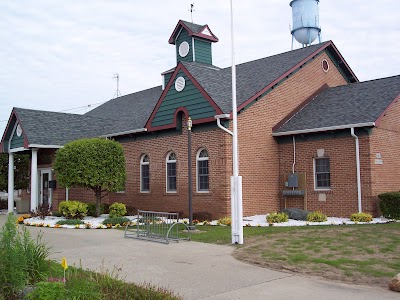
x=192 y=42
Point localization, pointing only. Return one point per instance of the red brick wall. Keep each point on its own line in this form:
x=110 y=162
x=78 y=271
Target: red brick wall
x=258 y=151
x=216 y=201
x=385 y=140
x=341 y=199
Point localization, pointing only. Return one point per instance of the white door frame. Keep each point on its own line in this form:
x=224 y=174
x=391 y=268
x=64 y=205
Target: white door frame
x=40 y=190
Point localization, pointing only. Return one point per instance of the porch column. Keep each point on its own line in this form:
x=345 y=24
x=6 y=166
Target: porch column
x=34 y=180
x=10 y=182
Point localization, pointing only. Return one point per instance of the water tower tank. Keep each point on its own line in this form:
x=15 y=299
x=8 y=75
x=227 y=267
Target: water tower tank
x=305 y=16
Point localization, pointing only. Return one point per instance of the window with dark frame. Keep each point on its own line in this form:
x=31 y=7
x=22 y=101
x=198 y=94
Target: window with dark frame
x=145 y=174
x=322 y=173
x=202 y=171
x=171 y=172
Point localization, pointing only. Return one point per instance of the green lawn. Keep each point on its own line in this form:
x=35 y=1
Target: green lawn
x=361 y=254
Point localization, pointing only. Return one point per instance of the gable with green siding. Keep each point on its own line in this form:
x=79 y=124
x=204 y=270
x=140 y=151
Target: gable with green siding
x=202 y=52
x=167 y=77
x=183 y=37
x=190 y=98
x=16 y=141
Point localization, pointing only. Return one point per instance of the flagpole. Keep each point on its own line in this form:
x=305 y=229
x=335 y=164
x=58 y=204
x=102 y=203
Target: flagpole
x=236 y=180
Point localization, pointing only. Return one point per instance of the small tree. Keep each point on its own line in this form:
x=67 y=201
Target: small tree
x=97 y=164
x=21 y=171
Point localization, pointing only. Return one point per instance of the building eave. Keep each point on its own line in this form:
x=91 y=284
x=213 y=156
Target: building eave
x=40 y=146
x=330 y=128
x=124 y=132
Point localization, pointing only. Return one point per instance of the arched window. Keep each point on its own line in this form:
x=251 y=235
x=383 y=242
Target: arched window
x=202 y=182
x=171 y=172
x=145 y=174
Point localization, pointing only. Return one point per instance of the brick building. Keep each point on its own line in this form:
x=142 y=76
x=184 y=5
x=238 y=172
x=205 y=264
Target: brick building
x=310 y=134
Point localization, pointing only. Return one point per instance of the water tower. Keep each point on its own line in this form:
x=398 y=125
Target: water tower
x=305 y=15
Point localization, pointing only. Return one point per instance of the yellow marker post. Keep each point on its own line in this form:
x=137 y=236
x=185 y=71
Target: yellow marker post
x=64 y=265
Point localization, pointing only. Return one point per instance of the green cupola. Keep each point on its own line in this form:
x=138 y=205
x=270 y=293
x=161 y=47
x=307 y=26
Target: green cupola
x=192 y=42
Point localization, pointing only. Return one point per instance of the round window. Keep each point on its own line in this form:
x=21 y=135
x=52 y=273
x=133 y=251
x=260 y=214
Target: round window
x=325 y=65
x=180 y=84
x=183 y=49
x=19 y=130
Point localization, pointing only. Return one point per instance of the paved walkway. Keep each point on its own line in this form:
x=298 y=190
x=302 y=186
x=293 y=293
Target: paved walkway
x=192 y=270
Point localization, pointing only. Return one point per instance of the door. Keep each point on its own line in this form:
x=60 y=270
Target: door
x=45 y=191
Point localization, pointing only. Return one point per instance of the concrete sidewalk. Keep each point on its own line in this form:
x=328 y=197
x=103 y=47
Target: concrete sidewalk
x=192 y=270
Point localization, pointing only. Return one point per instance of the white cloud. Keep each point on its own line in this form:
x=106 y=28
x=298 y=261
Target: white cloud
x=59 y=55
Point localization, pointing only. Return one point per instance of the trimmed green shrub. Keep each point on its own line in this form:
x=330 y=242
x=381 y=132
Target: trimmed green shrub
x=317 y=216
x=390 y=205
x=116 y=220
x=361 y=217
x=70 y=222
x=117 y=210
x=277 y=217
x=225 y=221
x=73 y=209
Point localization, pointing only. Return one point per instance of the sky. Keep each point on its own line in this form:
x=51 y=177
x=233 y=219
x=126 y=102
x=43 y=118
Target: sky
x=62 y=55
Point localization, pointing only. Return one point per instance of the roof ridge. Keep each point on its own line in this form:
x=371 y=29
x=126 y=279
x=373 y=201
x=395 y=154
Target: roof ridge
x=192 y=23
x=279 y=54
x=64 y=113
x=47 y=111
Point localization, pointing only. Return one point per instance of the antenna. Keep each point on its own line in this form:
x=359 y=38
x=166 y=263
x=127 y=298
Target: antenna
x=117 y=92
x=191 y=11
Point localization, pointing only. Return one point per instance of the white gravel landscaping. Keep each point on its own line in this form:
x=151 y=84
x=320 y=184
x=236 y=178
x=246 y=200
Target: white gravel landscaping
x=254 y=221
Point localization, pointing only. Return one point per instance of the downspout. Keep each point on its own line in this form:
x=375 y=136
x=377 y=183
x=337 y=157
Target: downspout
x=358 y=169
x=294 y=154
x=218 y=118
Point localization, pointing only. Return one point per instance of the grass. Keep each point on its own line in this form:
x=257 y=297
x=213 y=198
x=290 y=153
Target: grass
x=24 y=264
x=360 y=254
x=87 y=285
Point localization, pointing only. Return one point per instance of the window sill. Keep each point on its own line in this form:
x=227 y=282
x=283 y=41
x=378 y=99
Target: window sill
x=171 y=193
x=203 y=192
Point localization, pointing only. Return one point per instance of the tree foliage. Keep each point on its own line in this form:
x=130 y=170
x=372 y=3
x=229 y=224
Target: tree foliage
x=97 y=164
x=21 y=171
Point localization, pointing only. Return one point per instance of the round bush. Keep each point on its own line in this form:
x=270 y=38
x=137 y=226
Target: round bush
x=73 y=209
x=361 y=217
x=317 y=216
x=225 y=221
x=277 y=217
x=117 y=210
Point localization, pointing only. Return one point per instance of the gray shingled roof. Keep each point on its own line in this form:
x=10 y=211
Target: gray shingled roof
x=252 y=76
x=196 y=28
x=355 y=103
x=52 y=128
x=130 y=111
